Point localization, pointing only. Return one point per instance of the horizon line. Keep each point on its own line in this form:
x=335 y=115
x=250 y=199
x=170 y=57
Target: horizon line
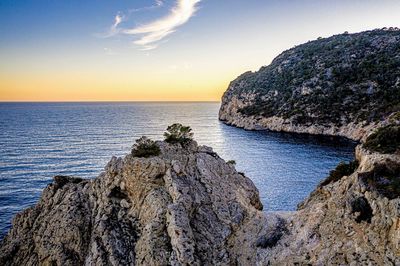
x=111 y=101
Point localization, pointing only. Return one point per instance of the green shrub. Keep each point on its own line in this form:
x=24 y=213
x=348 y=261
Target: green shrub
x=233 y=162
x=145 y=147
x=177 y=133
x=342 y=169
x=384 y=140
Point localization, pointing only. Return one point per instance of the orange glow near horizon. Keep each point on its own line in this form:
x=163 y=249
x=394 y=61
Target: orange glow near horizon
x=66 y=88
x=64 y=51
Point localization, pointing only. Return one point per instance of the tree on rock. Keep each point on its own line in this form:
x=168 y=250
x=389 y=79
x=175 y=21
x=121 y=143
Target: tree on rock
x=145 y=147
x=177 y=133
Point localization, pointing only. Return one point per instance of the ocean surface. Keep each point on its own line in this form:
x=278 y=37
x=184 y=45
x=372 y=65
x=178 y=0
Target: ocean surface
x=40 y=140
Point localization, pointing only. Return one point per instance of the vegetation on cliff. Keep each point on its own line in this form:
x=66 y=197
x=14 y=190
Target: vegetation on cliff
x=145 y=147
x=342 y=169
x=178 y=133
x=384 y=140
x=341 y=79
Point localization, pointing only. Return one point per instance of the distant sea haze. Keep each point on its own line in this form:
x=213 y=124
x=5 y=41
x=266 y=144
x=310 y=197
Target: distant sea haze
x=40 y=140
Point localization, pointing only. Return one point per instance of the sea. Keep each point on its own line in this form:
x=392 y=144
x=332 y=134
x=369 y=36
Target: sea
x=41 y=140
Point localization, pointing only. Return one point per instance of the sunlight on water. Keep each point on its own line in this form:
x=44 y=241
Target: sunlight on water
x=38 y=141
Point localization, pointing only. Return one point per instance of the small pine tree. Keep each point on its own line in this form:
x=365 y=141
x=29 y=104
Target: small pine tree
x=233 y=162
x=177 y=133
x=145 y=147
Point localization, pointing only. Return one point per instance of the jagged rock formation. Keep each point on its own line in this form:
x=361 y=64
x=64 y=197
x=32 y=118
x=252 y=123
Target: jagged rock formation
x=345 y=85
x=183 y=207
x=186 y=206
x=353 y=221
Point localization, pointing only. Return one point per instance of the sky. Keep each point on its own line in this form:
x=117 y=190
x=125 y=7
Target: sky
x=176 y=50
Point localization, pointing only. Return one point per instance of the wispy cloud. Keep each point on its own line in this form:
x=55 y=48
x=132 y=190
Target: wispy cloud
x=117 y=20
x=157 y=30
x=148 y=36
x=114 y=29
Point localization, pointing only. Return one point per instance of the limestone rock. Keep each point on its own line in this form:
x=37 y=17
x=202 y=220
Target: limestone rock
x=184 y=207
x=348 y=222
x=188 y=207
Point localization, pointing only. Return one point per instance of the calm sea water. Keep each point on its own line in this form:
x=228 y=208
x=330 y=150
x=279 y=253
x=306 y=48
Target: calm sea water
x=40 y=140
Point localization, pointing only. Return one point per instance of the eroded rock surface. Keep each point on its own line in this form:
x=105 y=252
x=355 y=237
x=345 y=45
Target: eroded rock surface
x=229 y=114
x=353 y=221
x=188 y=207
x=184 y=207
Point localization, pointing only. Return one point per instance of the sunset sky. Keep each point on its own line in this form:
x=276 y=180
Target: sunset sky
x=121 y=50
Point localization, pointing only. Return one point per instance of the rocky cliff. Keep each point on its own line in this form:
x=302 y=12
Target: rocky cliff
x=187 y=206
x=183 y=207
x=354 y=220
x=346 y=85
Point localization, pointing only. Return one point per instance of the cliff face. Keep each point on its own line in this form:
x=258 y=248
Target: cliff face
x=353 y=221
x=184 y=207
x=345 y=85
x=187 y=206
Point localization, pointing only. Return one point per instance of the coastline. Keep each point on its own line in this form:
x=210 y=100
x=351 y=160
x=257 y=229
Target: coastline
x=229 y=115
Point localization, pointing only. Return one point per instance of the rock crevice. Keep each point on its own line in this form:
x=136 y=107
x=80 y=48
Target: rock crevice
x=182 y=207
x=187 y=206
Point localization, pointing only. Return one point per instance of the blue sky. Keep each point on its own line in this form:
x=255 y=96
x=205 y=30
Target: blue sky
x=194 y=47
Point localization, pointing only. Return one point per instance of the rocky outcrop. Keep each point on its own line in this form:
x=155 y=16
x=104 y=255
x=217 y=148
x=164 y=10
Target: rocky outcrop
x=346 y=85
x=186 y=206
x=334 y=86
x=183 y=207
x=354 y=221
